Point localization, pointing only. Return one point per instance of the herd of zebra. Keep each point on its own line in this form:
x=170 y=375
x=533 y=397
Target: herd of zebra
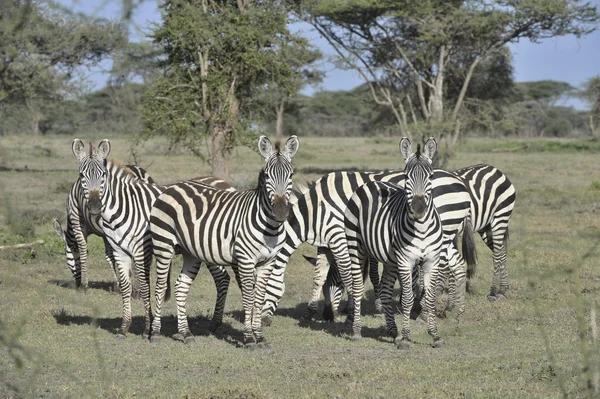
x=408 y=220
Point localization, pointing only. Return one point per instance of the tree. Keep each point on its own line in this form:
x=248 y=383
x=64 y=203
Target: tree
x=591 y=94
x=219 y=55
x=275 y=101
x=42 y=50
x=404 y=47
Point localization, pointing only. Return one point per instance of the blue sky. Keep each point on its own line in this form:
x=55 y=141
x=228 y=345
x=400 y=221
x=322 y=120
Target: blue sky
x=565 y=59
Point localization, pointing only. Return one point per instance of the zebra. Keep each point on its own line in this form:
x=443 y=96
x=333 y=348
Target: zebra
x=244 y=230
x=318 y=219
x=124 y=204
x=493 y=199
x=400 y=228
x=81 y=224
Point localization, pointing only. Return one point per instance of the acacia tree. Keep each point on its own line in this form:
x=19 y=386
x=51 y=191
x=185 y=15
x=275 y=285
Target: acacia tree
x=41 y=50
x=401 y=47
x=591 y=94
x=220 y=54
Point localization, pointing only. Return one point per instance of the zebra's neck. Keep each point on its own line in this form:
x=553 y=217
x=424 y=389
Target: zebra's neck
x=265 y=208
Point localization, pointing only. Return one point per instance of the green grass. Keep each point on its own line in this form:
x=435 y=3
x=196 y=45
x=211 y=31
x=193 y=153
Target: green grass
x=532 y=145
x=528 y=346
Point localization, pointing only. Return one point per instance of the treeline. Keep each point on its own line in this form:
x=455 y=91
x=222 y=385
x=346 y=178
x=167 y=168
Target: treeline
x=528 y=109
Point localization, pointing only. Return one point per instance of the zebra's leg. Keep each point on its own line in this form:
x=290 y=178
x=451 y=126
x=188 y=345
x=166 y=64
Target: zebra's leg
x=458 y=277
x=164 y=256
x=407 y=301
x=388 y=280
x=188 y=273
x=123 y=265
x=275 y=289
x=319 y=277
x=143 y=260
x=221 y=278
x=246 y=270
x=500 y=245
x=430 y=275
x=82 y=250
x=374 y=277
x=333 y=291
x=262 y=277
x=108 y=253
x=350 y=258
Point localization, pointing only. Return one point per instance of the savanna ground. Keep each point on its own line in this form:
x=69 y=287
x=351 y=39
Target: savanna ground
x=57 y=342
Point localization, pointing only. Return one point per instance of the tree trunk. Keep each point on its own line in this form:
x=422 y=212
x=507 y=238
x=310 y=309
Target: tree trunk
x=279 y=122
x=220 y=154
x=36 y=118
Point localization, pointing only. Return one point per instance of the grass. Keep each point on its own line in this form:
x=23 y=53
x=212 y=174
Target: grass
x=56 y=342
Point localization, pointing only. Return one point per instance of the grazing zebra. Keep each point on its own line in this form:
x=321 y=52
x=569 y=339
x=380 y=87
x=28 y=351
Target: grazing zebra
x=402 y=229
x=80 y=224
x=123 y=202
x=492 y=201
x=244 y=230
x=318 y=219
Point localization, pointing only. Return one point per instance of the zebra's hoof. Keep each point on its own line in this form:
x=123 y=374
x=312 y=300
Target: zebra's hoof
x=402 y=344
x=438 y=343
x=155 y=339
x=120 y=336
x=356 y=337
x=267 y=321
x=500 y=297
x=214 y=326
x=492 y=298
x=146 y=334
x=328 y=314
x=189 y=340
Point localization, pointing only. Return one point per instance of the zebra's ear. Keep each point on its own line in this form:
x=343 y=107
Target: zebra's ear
x=103 y=149
x=405 y=148
x=265 y=147
x=430 y=148
x=78 y=149
x=291 y=146
x=58 y=229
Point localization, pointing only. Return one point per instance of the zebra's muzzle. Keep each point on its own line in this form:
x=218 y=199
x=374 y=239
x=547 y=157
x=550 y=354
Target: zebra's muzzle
x=281 y=208
x=94 y=203
x=418 y=207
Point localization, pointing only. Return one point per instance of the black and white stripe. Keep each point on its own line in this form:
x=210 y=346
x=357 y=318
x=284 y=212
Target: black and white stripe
x=402 y=229
x=318 y=219
x=244 y=230
x=123 y=202
x=80 y=225
x=493 y=200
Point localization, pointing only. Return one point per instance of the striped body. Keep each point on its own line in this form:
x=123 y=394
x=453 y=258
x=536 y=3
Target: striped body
x=244 y=230
x=378 y=227
x=80 y=225
x=318 y=219
x=492 y=202
x=402 y=229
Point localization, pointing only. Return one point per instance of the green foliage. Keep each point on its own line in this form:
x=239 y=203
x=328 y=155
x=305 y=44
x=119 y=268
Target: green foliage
x=595 y=185
x=42 y=50
x=218 y=58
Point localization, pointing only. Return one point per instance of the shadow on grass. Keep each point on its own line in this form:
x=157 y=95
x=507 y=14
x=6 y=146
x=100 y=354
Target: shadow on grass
x=337 y=328
x=94 y=285
x=199 y=326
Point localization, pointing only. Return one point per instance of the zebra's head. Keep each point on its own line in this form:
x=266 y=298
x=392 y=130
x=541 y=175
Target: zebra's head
x=92 y=172
x=418 y=172
x=277 y=174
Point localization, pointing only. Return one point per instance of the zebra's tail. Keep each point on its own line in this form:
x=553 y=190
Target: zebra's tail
x=168 y=293
x=468 y=247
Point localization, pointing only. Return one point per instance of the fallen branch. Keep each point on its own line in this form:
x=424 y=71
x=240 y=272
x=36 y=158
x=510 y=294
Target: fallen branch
x=26 y=245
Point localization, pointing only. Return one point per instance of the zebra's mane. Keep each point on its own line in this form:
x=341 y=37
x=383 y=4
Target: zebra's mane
x=120 y=166
x=418 y=152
